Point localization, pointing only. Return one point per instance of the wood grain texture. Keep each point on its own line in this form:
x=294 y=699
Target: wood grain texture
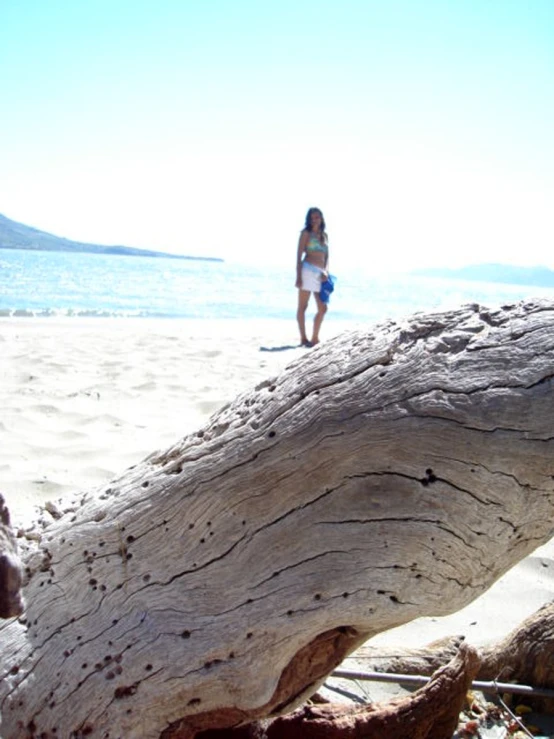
x=386 y=475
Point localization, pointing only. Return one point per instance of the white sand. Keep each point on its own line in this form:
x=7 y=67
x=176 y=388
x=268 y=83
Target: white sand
x=82 y=400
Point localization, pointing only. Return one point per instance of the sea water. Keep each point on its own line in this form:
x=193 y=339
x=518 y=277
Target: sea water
x=40 y=283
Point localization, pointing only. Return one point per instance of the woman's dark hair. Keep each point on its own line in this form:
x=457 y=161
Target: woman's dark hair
x=308 y=225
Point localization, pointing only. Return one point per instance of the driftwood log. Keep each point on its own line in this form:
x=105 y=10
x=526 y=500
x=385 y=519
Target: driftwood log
x=386 y=475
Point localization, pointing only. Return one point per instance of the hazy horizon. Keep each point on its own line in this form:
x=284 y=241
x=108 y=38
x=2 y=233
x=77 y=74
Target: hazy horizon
x=421 y=128
x=425 y=271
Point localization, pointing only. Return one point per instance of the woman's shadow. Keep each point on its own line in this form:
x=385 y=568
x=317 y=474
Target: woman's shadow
x=283 y=348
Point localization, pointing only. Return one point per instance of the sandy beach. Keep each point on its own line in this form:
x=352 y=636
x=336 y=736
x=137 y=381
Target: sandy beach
x=82 y=400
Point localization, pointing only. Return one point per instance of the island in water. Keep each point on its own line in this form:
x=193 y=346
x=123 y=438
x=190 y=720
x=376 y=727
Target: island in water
x=14 y=235
x=507 y=273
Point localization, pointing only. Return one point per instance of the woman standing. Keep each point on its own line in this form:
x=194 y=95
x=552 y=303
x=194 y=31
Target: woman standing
x=312 y=267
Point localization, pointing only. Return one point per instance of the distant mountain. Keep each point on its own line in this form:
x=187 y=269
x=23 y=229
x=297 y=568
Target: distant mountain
x=507 y=273
x=15 y=235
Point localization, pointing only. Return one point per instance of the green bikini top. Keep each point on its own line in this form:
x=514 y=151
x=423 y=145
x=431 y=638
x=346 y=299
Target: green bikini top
x=314 y=244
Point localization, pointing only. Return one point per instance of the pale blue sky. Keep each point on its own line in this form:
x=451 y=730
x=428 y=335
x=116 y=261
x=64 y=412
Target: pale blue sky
x=424 y=129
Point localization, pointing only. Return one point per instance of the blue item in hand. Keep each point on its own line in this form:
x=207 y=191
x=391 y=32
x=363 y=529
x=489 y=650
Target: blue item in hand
x=327 y=287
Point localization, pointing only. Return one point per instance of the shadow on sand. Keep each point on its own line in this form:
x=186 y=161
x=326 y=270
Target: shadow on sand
x=283 y=348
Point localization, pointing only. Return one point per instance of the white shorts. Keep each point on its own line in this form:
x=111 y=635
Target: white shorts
x=311 y=277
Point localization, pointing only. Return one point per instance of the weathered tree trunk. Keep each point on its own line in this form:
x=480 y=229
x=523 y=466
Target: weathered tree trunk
x=386 y=475
x=430 y=713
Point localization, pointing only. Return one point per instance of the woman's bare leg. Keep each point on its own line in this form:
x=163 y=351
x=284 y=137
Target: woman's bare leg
x=319 y=316
x=303 y=298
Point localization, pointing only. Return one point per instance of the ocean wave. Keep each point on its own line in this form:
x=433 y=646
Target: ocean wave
x=72 y=313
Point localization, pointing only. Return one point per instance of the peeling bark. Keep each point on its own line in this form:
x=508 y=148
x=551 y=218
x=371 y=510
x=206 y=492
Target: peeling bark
x=387 y=475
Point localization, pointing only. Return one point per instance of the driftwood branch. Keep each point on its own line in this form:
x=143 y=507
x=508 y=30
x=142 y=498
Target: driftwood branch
x=386 y=475
x=525 y=656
